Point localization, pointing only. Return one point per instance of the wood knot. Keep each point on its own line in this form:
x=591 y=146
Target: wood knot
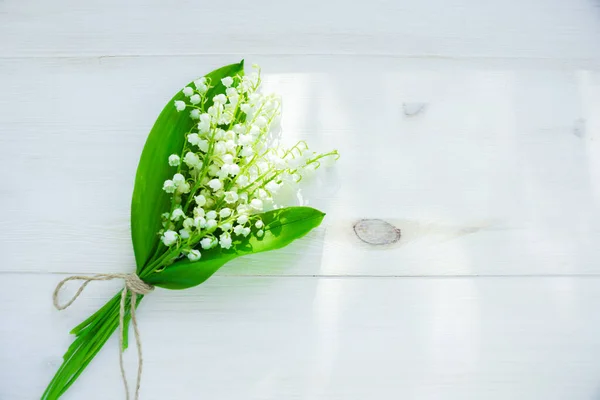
x=376 y=232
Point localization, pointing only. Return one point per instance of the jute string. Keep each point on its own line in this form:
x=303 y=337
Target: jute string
x=133 y=285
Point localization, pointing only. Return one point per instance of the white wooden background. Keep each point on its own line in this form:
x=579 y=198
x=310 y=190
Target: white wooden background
x=493 y=292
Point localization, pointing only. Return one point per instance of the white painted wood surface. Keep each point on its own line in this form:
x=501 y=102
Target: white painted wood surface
x=493 y=290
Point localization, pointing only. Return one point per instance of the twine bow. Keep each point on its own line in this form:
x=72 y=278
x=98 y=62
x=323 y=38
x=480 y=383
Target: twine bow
x=135 y=286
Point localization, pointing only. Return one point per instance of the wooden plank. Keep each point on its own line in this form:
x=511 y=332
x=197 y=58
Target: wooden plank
x=497 y=175
x=323 y=338
x=472 y=127
x=458 y=28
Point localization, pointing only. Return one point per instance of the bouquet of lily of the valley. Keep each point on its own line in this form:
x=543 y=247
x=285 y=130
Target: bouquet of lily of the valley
x=205 y=193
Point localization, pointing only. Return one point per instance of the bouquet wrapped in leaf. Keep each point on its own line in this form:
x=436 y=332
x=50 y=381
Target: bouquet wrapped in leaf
x=205 y=193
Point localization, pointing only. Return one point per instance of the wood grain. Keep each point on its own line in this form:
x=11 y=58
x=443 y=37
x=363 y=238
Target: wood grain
x=324 y=338
x=554 y=29
x=473 y=127
x=498 y=176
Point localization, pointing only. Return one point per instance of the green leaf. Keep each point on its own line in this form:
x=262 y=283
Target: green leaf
x=282 y=227
x=166 y=137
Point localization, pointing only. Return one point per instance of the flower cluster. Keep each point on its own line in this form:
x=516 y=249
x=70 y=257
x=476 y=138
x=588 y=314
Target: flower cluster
x=227 y=174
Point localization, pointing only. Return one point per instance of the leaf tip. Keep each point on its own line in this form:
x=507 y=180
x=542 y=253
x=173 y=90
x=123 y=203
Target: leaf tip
x=320 y=215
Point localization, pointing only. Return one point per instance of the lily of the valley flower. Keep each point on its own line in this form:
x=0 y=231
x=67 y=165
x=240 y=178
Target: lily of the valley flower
x=226 y=174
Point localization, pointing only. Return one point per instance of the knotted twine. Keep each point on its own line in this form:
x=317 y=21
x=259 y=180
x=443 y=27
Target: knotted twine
x=135 y=286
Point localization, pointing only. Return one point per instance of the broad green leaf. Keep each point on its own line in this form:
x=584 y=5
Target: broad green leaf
x=167 y=136
x=282 y=227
